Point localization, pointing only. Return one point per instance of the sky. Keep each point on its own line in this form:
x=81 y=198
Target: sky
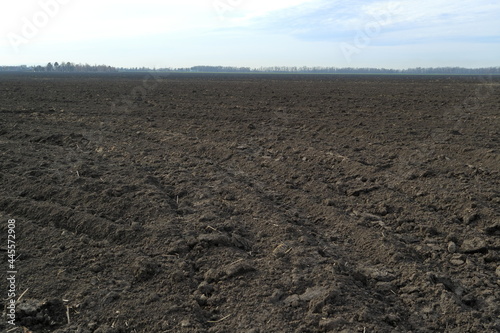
x=252 y=33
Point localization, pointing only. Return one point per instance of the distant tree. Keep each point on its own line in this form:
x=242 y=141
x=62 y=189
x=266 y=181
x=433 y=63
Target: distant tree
x=49 y=67
x=70 y=67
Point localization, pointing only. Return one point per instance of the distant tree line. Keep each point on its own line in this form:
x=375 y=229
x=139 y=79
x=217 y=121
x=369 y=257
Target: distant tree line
x=71 y=67
x=337 y=70
x=60 y=67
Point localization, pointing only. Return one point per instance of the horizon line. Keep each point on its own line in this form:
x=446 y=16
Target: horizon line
x=259 y=68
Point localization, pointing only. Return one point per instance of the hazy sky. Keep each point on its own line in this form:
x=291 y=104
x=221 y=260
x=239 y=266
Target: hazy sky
x=254 y=33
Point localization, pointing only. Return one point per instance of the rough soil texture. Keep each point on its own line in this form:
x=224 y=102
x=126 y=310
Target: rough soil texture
x=254 y=204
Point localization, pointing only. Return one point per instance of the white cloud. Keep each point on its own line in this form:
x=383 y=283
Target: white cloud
x=437 y=11
x=97 y=20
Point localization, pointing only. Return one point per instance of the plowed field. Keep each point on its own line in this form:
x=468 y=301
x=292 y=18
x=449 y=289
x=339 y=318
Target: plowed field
x=251 y=203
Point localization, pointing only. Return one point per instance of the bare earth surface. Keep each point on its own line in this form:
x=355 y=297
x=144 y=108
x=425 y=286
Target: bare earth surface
x=254 y=204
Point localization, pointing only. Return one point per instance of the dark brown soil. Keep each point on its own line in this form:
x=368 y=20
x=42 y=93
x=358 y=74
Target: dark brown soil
x=211 y=203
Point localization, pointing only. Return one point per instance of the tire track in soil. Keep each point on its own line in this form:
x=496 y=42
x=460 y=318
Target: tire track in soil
x=356 y=240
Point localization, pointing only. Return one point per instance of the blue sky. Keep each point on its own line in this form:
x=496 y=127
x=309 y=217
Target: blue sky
x=254 y=33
